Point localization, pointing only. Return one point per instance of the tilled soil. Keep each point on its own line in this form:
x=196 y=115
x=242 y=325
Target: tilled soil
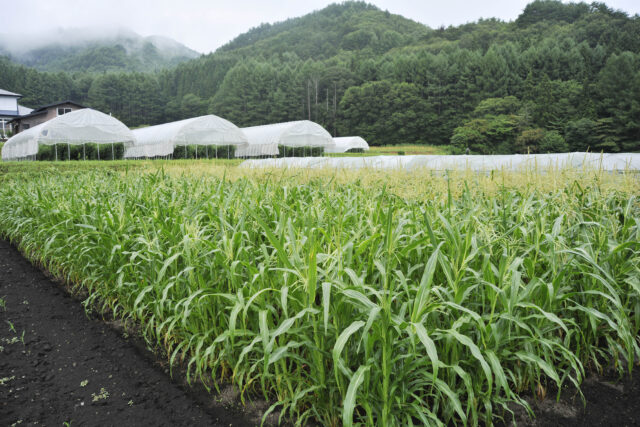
x=57 y=366
x=610 y=401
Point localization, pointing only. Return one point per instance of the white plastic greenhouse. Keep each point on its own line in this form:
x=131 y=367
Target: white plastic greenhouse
x=79 y=127
x=608 y=162
x=209 y=130
x=346 y=143
x=264 y=140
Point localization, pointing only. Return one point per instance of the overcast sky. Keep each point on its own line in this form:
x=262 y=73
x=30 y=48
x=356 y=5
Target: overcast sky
x=205 y=25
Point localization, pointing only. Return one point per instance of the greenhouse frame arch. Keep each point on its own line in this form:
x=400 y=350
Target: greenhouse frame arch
x=162 y=140
x=265 y=140
x=346 y=143
x=81 y=127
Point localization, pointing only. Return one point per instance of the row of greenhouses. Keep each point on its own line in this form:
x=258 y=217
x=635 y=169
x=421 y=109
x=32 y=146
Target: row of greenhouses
x=89 y=134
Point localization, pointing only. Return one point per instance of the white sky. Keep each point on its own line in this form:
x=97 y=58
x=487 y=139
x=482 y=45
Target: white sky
x=205 y=25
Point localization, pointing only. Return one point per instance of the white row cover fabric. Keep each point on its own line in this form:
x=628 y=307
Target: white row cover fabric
x=78 y=127
x=372 y=162
x=264 y=140
x=161 y=140
x=604 y=161
x=346 y=143
x=608 y=162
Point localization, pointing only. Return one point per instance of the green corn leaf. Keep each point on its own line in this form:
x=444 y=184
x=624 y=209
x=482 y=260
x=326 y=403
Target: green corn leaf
x=349 y=404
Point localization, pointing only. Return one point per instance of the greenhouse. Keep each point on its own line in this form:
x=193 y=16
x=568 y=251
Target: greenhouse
x=288 y=139
x=348 y=143
x=199 y=137
x=607 y=162
x=80 y=132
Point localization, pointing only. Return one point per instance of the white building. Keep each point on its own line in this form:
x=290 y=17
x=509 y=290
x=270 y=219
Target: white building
x=9 y=110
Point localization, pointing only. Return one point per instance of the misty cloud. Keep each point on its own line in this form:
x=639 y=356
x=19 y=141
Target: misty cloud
x=65 y=37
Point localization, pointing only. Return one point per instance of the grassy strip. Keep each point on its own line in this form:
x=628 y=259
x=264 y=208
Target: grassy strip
x=408 y=149
x=393 y=150
x=346 y=303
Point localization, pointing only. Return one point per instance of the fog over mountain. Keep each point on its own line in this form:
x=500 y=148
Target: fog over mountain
x=94 y=49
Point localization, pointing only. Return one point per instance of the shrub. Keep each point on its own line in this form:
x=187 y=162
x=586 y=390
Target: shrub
x=553 y=142
x=529 y=140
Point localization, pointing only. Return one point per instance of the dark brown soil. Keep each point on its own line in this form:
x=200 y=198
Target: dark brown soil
x=610 y=401
x=58 y=365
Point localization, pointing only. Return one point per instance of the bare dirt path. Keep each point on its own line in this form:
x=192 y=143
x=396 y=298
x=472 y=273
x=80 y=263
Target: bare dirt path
x=57 y=365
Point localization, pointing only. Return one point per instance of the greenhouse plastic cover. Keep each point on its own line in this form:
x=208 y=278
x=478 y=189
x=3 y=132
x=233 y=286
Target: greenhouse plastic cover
x=264 y=140
x=161 y=140
x=78 y=127
x=610 y=162
x=346 y=143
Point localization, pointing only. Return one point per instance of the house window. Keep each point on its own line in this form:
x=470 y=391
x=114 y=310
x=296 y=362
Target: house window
x=62 y=111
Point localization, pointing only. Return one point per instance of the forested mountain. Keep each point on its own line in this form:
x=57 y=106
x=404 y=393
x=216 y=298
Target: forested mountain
x=324 y=34
x=85 y=50
x=560 y=77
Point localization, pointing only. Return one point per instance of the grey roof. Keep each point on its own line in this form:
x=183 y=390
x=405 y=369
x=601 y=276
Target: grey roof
x=44 y=107
x=23 y=111
x=7 y=93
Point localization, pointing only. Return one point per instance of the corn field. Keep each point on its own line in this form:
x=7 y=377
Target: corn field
x=349 y=304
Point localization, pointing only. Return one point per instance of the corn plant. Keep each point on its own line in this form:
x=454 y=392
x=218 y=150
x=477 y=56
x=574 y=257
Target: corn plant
x=349 y=304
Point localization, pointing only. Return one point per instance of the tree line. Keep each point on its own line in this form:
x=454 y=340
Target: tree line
x=561 y=77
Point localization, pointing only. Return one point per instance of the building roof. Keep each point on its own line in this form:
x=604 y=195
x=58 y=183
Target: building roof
x=23 y=111
x=7 y=93
x=44 y=108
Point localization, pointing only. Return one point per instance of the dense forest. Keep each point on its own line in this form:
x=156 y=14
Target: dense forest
x=560 y=77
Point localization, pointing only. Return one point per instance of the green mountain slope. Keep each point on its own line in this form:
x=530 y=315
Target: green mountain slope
x=352 y=27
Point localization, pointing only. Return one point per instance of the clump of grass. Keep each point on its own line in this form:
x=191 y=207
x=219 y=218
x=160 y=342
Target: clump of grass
x=409 y=148
x=359 y=301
